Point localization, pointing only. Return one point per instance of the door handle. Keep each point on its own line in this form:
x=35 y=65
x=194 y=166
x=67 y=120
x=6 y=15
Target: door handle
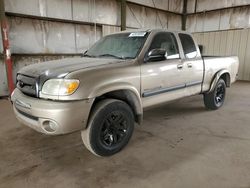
x=190 y=65
x=179 y=66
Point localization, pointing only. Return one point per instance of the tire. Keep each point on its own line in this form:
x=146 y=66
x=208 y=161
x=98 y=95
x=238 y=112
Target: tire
x=215 y=99
x=110 y=127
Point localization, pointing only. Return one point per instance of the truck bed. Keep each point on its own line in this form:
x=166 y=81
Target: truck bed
x=213 y=64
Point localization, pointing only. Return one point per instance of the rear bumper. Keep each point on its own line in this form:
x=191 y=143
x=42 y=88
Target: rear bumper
x=51 y=117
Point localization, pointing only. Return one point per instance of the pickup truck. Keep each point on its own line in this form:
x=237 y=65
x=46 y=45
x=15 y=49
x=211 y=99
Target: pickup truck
x=104 y=92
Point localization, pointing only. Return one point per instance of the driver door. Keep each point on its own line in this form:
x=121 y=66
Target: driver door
x=164 y=80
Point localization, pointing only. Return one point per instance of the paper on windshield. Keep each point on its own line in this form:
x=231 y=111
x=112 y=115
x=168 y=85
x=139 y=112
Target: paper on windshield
x=137 y=34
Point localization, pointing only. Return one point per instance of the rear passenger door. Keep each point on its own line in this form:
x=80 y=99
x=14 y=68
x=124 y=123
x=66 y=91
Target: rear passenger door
x=193 y=64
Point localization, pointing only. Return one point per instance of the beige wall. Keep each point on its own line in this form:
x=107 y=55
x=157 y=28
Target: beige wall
x=223 y=28
x=230 y=42
x=108 y=29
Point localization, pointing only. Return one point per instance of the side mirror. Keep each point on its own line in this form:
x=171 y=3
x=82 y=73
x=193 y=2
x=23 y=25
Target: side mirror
x=201 y=48
x=157 y=54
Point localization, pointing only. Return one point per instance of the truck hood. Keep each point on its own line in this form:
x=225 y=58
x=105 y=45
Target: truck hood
x=61 y=67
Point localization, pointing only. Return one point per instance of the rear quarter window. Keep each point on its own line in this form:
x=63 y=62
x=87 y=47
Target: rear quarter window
x=188 y=46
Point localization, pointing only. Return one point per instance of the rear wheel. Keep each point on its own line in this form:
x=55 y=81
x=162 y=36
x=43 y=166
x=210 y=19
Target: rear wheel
x=110 y=127
x=215 y=99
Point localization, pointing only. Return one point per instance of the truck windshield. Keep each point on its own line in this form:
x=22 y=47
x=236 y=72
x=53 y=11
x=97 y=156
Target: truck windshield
x=120 y=46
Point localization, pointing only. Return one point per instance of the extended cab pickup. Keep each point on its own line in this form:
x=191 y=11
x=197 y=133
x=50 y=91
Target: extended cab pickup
x=103 y=93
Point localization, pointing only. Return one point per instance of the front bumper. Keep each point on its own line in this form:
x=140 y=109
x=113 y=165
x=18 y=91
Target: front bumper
x=51 y=117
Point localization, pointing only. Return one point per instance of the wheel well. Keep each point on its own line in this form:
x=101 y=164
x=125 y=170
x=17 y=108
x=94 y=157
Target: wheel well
x=226 y=78
x=124 y=95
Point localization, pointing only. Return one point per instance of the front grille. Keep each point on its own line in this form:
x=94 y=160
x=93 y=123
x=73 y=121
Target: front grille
x=27 y=85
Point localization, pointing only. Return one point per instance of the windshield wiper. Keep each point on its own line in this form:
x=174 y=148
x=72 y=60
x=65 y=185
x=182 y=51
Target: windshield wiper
x=110 y=55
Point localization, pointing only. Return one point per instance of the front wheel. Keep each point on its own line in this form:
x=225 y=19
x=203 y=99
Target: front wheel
x=110 y=127
x=215 y=99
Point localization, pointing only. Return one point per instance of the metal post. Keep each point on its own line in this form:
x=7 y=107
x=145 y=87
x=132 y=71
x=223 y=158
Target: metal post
x=123 y=15
x=6 y=46
x=184 y=16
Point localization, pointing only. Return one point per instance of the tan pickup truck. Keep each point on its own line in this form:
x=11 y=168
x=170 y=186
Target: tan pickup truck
x=103 y=93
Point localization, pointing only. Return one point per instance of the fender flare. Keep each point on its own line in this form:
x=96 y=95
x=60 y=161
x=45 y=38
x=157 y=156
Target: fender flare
x=216 y=78
x=121 y=86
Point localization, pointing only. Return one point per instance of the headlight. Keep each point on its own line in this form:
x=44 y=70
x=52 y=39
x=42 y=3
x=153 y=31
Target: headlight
x=60 y=87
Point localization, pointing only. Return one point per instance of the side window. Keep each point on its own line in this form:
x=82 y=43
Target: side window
x=168 y=42
x=188 y=45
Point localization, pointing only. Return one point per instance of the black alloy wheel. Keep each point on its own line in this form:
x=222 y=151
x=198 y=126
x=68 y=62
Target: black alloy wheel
x=215 y=99
x=220 y=94
x=110 y=127
x=114 y=129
